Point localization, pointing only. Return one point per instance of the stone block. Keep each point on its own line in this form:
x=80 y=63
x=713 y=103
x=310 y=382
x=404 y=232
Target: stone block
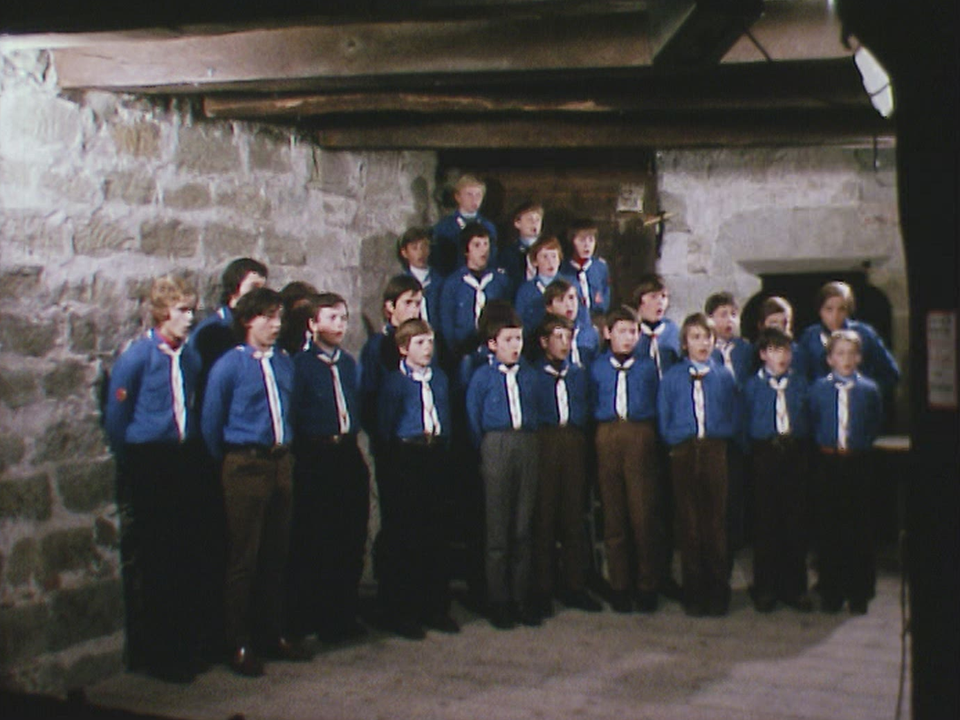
x=169 y=238
x=284 y=250
x=24 y=563
x=141 y=139
x=130 y=187
x=86 y=486
x=91 y=668
x=72 y=439
x=101 y=237
x=18 y=388
x=83 y=334
x=67 y=379
x=223 y=242
x=34 y=338
x=42 y=237
x=33 y=121
x=26 y=498
x=65 y=550
x=21 y=281
x=11 y=450
x=23 y=632
x=250 y=201
x=85 y=613
x=269 y=153
x=72 y=187
x=338 y=172
x=192 y=196
x=207 y=150
x=106 y=533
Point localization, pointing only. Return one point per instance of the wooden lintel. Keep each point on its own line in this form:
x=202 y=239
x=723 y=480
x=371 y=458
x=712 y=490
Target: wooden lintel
x=357 y=50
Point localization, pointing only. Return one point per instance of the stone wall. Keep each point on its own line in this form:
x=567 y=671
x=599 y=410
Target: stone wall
x=739 y=214
x=99 y=193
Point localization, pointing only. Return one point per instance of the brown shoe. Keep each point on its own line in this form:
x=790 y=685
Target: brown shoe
x=245 y=662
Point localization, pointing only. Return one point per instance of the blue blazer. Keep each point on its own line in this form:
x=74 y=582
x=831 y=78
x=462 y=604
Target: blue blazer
x=675 y=412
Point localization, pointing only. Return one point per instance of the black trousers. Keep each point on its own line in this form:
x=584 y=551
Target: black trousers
x=163 y=552
x=331 y=509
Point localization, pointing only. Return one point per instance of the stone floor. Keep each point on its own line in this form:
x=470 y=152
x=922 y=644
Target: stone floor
x=746 y=666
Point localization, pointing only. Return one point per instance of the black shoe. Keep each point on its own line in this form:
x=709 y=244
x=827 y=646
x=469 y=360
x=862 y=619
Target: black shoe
x=530 y=616
x=858 y=607
x=764 y=602
x=175 y=673
x=580 y=600
x=342 y=632
x=502 y=616
x=647 y=601
x=283 y=649
x=671 y=590
x=442 y=622
x=245 y=663
x=620 y=601
x=801 y=603
x=718 y=606
x=829 y=604
x=405 y=628
x=695 y=609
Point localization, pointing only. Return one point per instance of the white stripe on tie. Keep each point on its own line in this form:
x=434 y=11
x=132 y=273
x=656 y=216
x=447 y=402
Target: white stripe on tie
x=479 y=296
x=273 y=395
x=513 y=395
x=843 y=413
x=584 y=285
x=699 y=401
x=560 y=394
x=654 y=345
x=428 y=413
x=782 y=416
x=621 y=403
x=343 y=416
x=176 y=387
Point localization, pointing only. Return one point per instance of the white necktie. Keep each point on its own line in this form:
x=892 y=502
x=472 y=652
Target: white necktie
x=273 y=394
x=653 y=334
x=699 y=401
x=531 y=271
x=513 y=395
x=431 y=420
x=560 y=392
x=575 y=349
x=824 y=338
x=726 y=352
x=584 y=285
x=343 y=416
x=176 y=386
x=782 y=416
x=843 y=413
x=621 y=404
x=479 y=296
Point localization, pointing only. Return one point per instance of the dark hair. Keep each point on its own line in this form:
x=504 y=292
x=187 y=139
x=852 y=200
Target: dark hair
x=398 y=285
x=234 y=274
x=773 y=337
x=648 y=283
x=558 y=288
x=579 y=225
x=502 y=320
x=412 y=235
x=837 y=289
x=409 y=329
x=622 y=313
x=296 y=314
x=313 y=303
x=493 y=311
x=469 y=232
x=718 y=300
x=695 y=320
x=551 y=323
x=261 y=301
x=773 y=305
x=524 y=208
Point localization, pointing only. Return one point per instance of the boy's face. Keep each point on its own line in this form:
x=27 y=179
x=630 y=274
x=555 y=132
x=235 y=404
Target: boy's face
x=469 y=199
x=727 y=320
x=565 y=305
x=478 y=253
x=844 y=358
x=653 y=305
x=419 y=352
x=179 y=319
x=585 y=243
x=529 y=224
x=556 y=346
x=251 y=281
x=416 y=253
x=263 y=330
x=329 y=326
x=833 y=313
x=507 y=345
x=547 y=262
x=622 y=337
x=699 y=343
x=406 y=307
x=780 y=320
x=776 y=359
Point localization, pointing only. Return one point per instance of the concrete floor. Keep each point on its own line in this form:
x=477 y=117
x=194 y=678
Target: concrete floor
x=746 y=666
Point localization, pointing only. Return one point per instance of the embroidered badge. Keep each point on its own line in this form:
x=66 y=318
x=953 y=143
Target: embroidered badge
x=121 y=394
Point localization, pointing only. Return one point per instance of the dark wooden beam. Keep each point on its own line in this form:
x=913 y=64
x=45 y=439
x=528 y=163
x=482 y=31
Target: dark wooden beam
x=706 y=32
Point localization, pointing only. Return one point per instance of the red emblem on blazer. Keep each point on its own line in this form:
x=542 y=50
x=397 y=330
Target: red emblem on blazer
x=121 y=394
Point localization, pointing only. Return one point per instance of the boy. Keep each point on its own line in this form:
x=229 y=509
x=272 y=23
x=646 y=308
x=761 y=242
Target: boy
x=545 y=255
x=698 y=415
x=586 y=269
x=331 y=481
x=624 y=389
x=246 y=427
x=560 y=298
x=846 y=412
x=468 y=193
x=659 y=336
x=562 y=398
x=467 y=291
x=413 y=251
x=151 y=422
x=778 y=426
x=502 y=416
x=528 y=222
x=414 y=426
x=777 y=312
x=731 y=350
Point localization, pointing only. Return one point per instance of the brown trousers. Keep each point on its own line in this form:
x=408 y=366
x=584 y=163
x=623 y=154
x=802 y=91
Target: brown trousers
x=629 y=495
x=699 y=473
x=559 y=513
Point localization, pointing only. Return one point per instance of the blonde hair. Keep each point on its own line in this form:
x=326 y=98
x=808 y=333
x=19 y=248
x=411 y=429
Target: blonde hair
x=166 y=292
x=469 y=181
x=839 y=336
